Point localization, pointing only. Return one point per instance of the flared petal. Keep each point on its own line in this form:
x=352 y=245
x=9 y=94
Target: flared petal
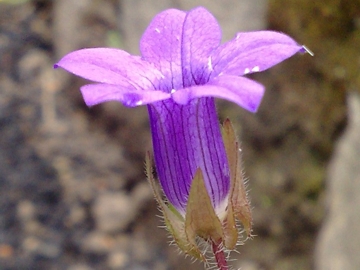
x=161 y=46
x=253 y=52
x=111 y=66
x=96 y=93
x=242 y=91
x=185 y=138
x=179 y=44
x=201 y=35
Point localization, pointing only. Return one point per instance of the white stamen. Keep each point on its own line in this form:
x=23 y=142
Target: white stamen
x=138 y=103
x=247 y=70
x=210 y=64
x=308 y=50
x=237 y=36
x=157 y=30
x=255 y=69
x=172 y=91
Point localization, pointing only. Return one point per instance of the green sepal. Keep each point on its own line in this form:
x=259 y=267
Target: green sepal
x=229 y=228
x=240 y=205
x=174 y=221
x=200 y=218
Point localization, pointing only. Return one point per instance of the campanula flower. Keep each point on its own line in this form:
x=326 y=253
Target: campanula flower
x=183 y=66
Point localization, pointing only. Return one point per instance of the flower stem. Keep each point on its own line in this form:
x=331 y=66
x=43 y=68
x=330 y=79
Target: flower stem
x=219 y=256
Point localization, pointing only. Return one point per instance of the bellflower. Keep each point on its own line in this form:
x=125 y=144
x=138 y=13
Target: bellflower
x=182 y=68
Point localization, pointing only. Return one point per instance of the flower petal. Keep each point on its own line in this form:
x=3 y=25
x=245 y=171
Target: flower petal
x=111 y=66
x=201 y=35
x=186 y=138
x=96 y=93
x=252 y=52
x=161 y=46
x=242 y=91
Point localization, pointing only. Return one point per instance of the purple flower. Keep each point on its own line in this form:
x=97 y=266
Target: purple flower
x=182 y=68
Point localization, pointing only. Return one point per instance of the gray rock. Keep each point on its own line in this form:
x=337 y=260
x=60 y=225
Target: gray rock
x=249 y=265
x=68 y=16
x=338 y=243
x=80 y=267
x=112 y=211
x=37 y=246
x=98 y=242
x=118 y=260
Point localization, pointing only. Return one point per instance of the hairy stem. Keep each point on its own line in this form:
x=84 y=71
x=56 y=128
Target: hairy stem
x=219 y=256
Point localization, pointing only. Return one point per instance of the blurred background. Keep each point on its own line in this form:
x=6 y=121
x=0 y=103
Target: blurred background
x=73 y=194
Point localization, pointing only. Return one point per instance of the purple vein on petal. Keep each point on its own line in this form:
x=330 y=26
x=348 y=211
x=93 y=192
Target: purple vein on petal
x=97 y=93
x=111 y=66
x=253 y=52
x=186 y=138
x=161 y=46
x=201 y=35
x=240 y=90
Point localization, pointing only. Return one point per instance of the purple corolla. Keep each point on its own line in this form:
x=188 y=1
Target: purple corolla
x=182 y=68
